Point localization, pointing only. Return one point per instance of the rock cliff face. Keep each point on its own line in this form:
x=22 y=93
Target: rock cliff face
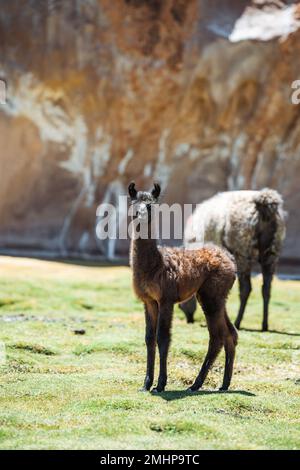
x=196 y=94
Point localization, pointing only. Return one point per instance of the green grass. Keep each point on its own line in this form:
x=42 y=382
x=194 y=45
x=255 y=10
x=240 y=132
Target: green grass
x=61 y=390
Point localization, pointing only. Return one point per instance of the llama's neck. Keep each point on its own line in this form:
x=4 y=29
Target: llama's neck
x=145 y=255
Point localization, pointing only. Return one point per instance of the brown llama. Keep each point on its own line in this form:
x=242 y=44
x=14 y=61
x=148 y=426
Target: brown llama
x=163 y=276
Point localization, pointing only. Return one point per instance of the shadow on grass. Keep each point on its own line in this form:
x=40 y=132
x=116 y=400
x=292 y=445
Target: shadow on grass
x=270 y=331
x=180 y=394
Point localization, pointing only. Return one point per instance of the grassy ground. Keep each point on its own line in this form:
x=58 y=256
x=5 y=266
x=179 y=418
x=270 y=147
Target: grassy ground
x=62 y=390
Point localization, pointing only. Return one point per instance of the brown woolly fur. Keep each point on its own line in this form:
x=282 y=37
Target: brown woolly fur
x=251 y=225
x=163 y=276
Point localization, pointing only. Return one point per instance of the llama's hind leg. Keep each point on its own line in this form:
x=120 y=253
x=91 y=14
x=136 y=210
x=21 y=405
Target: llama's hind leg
x=215 y=345
x=214 y=318
x=189 y=308
x=245 y=290
x=151 y=315
x=163 y=341
x=230 y=342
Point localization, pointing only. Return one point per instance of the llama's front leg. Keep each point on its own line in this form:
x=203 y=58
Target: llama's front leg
x=163 y=341
x=267 y=272
x=151 y=315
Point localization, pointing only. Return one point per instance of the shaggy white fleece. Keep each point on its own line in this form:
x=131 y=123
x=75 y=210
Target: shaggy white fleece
x=235 y=220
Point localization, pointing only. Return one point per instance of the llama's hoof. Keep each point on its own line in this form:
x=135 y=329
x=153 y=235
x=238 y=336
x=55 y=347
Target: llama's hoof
x=223 y=389
x=147 y=384
x=157 y=390
x=192 y=389
x=237 y=325
x=264 y=328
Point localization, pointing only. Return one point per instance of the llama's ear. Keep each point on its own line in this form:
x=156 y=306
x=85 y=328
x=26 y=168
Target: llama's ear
x=156 y=190
x=132 y=191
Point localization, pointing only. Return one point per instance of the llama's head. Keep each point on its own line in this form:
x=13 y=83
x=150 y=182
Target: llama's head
x=143 y=201
x=268 y=203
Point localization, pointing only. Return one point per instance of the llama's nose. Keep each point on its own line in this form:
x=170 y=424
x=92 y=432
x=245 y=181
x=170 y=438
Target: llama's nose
x=142 y=211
